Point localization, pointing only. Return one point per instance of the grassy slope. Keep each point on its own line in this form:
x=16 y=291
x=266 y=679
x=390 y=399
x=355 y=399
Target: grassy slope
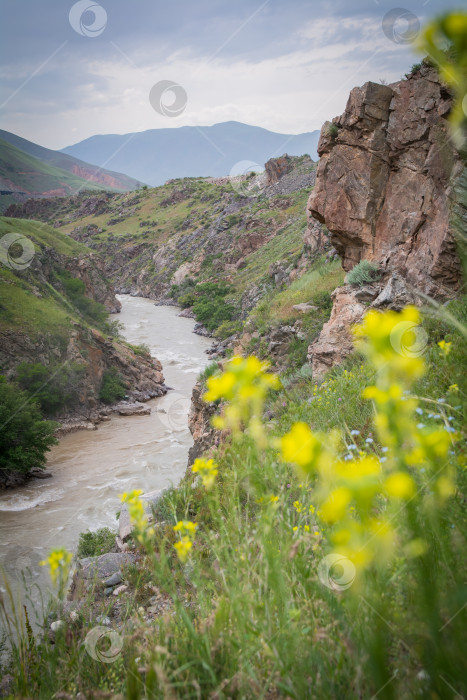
x=30 y=175
x=27 y=303
x=250 y=617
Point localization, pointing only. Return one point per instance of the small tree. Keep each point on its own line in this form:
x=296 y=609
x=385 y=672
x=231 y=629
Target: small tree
x=25 y=437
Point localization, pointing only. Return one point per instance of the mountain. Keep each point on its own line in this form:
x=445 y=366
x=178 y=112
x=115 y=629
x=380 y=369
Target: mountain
x=100 y=176
x=22 y=176
x=158 y=155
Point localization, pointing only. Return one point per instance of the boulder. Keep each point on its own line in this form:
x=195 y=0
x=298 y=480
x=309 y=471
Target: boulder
x=132 y=409
x=103 y=566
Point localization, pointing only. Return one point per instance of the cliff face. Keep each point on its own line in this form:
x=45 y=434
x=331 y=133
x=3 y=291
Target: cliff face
x=386 y=190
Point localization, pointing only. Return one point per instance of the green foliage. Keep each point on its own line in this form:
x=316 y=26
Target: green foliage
x=208 y=371
x=25 y=437
x=363 y=273
x=228 y=328
x=113 y=328
x=93 y=544
x=75 y=289
x=112 y=386
x=54 y=387
x=209 y=305
x=333 y=130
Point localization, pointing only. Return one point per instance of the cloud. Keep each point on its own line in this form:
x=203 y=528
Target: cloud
x=286 y=66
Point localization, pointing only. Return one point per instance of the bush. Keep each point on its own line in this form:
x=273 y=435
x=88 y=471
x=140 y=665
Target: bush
x=93 y=544
x=228 y=328
x=54 y=387
x=363 y=273
x=112 y=387
x=75 y=290
x=25 y=437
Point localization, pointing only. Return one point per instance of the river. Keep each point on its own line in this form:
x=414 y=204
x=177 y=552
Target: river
x=91 y=468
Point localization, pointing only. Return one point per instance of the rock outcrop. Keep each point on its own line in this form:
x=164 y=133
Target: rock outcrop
x=199 y=423
x=386 y=191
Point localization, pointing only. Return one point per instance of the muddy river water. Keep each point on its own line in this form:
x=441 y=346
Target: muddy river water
x=90 y=468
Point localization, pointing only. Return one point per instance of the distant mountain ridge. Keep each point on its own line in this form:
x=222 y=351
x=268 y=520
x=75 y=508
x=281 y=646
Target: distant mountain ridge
x=57 y=159
x=158 y=155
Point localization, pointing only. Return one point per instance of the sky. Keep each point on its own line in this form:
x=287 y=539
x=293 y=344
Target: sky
x=70 y=70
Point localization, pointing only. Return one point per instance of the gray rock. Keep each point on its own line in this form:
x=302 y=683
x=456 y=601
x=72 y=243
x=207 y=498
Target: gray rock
x=104 y=566
x=132 y=409
x=113 y=580
x=395 y=294
x=304 y=308
x=108 y=591
x=104 y=620
x=57 y=625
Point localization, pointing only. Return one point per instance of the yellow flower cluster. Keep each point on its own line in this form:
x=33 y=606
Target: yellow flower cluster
x=358 y=497
x=186 y=530
x=138 y=517
x=244 y=384
x=207 y=469
x=58 y=561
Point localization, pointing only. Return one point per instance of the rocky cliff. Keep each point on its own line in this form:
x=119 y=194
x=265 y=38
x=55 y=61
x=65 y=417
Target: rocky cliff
x=41 y=321
x=386 y=191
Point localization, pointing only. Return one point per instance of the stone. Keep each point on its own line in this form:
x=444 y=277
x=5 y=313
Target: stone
x=108 y=591
x=57 y=625
x=103 y=620
x=120 y=589
x=304 y=308
x=104 y=566
x=133 y=409
x=384 y=185
x=335 y=342
x=113 y=580
x=389 y=188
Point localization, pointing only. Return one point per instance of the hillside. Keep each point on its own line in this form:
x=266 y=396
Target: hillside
x=158 y=155
x=101 y=176
x=23 y=176
x=54 y=323
x=248 y=237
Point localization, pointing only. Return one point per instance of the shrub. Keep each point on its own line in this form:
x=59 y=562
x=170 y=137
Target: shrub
x=75 y=290
x=93 y=544
x=25 y=437
x=112 y=387
x=228 y=328
x=363 y=272
x=54 y=387
x=333 y=130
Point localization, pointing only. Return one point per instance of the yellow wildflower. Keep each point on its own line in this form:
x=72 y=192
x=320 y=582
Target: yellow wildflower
x=183 y=548
x=207 y=469
x=445 y=348
x=58 y=561
x=299 y=445
x=400 y=485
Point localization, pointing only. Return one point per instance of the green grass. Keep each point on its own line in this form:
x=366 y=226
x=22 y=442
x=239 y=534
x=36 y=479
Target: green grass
x=250 y=617
x=31 y=175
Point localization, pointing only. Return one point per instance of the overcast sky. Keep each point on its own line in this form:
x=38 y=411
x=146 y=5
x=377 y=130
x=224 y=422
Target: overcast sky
x=286 y=65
